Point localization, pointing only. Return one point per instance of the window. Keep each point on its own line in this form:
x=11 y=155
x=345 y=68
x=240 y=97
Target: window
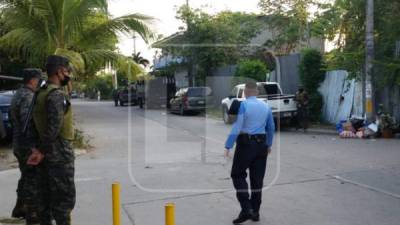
x=240 y=95
x=199 y=92
x=268 y=89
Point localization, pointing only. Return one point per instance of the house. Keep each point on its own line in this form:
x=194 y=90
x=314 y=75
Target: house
x=266 y=34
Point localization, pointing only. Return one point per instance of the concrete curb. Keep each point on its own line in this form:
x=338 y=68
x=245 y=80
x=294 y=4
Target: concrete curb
x=317 y=131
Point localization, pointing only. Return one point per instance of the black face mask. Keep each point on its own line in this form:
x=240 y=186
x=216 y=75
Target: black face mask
x=65 y=81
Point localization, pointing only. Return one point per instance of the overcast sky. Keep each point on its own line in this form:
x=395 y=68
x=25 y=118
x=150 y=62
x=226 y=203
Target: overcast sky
x=164 y=12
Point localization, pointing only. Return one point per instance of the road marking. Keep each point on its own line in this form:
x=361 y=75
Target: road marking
x=367 y=187
x=88 y=179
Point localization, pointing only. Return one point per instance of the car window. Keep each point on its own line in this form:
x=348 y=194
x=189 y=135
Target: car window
x=240 y=95
x=199 y=92
x=5 y=98
x=268 y=89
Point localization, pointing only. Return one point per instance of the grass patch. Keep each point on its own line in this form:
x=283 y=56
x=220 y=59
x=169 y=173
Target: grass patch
x=214 y=112
x=81 y=141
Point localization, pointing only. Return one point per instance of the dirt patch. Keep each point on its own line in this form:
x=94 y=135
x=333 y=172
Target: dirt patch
x=9 y=221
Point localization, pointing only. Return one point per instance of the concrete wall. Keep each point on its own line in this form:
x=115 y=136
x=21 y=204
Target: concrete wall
x=221 y=82
x=290 y=78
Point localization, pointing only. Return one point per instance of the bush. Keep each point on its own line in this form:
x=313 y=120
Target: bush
x=100 y=83
x=312 y=73
x=315 y=106
x=253 y=69
x=312 y=70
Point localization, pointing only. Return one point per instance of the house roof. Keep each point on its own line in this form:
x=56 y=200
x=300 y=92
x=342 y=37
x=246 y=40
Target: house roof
x=174 y=38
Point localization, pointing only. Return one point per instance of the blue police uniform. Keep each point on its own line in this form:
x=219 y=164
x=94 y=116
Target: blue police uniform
x=253 y=133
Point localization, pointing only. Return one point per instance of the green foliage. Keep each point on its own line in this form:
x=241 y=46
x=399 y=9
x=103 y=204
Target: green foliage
x=344 y=22
x=312 y=73
x=102 y=83
x=140 y=60
x=81 y=141
x=312 y=70
x=81 y=30
x=254 y=69
x=210 y=41
x=292 y=22
x=315 y=106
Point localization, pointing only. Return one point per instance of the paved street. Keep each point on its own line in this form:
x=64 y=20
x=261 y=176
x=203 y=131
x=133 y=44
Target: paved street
x=158 y=158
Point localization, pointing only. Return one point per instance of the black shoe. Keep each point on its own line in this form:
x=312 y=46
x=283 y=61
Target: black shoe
x=19 y=210
x=256 y=217
x=243 y=217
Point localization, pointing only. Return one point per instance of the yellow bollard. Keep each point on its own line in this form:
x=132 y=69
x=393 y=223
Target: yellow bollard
x=170 y=214
x=116 y=203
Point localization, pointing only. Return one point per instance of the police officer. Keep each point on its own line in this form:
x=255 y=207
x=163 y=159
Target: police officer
x=253 y=133
x=24 y=144
x=54 y=123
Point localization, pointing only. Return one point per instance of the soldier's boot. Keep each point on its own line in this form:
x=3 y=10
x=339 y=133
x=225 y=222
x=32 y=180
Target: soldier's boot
x=19 y=210
x=32 y=218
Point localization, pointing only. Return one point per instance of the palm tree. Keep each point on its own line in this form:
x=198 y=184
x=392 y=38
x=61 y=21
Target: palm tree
x=140 y=60
x=81 y=30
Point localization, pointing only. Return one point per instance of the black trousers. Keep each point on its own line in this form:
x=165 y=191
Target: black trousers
x=251 y=155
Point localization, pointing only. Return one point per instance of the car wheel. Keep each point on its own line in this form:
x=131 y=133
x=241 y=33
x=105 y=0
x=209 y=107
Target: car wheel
x=225 y=115
x=181 y=110
x=121 y=103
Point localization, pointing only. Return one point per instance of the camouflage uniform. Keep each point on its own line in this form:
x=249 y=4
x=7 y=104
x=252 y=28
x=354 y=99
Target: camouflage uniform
x=57 y=185
x=22 y=144
x=302 y=109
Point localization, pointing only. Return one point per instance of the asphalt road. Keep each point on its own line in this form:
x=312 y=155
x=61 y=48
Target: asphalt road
x=158 y=158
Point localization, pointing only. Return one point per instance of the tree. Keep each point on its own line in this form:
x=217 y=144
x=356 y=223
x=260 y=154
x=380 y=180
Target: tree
x=140 y=60
x=291 y=21
x=344 y=22
x=254 y=69
x=81 y=30
x=312 y=73
x=212 y=40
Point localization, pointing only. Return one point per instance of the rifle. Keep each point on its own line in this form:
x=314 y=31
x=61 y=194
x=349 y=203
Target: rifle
x=30 y=110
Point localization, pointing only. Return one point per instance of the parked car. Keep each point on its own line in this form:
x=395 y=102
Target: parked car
x=74 y=94
x=283 y=106
x=127 y=96
x=191 y=99
x=5 y=103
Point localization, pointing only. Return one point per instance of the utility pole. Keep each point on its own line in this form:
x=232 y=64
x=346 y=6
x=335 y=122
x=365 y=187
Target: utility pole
x=134 y=43
x=369 y=49
x=190 y=58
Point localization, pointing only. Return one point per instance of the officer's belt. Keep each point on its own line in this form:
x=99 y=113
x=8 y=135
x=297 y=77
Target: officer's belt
x=252 y=137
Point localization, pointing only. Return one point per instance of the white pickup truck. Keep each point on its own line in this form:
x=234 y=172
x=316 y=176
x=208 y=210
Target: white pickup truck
x=283 y=106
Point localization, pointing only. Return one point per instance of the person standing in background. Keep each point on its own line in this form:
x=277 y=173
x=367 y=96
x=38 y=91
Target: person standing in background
x=302 y=118
x=24 y=143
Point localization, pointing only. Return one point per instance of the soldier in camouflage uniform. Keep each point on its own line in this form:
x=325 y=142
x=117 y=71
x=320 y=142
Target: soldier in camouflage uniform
x=53 y=121
x=23 y=144
x=302 y=100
